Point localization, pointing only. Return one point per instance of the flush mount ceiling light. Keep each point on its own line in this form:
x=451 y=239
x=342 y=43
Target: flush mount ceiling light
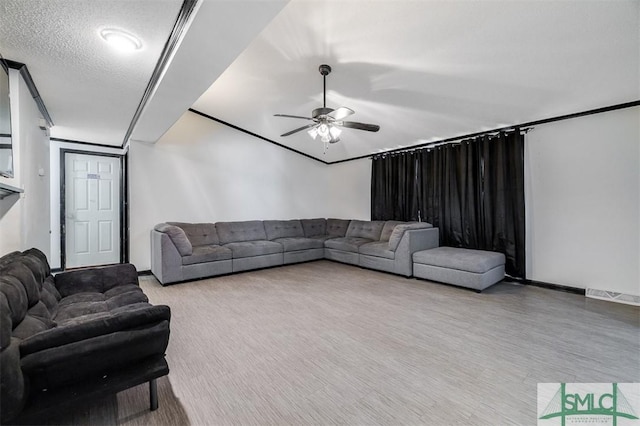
x=121 y=40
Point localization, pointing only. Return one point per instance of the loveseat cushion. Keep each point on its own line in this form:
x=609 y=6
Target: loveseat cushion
x=314 y=227
x=299 y=243
x=177 y=236
x=16 y=297
x=87 y=303
x=399 y=230
x=337 y=227
x=199 y=234
x=96 y=280
x=365 y=229
x=346 y=243
x=378 y=249
x=236 y=232
x=387 y=229
x=254 y=248
x=283 y=229
x=210 y=253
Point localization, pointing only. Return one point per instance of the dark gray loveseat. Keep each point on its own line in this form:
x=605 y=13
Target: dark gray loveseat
x=73 y=337
x=185 y=251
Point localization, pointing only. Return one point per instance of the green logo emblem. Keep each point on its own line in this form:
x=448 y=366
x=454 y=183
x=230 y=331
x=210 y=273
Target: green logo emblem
x=591 y=402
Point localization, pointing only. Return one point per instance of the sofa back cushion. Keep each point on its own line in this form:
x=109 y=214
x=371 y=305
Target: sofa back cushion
x=365 y=229
x=314 y=227
x=387 y=229
x=237 y=232
x=337 y=227
x=26 y=313
x=399 y=230
x=283 y=229
x=199 y=234
x=177 y=236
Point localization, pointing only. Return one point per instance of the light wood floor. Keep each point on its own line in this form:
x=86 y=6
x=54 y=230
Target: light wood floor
x=327 y=343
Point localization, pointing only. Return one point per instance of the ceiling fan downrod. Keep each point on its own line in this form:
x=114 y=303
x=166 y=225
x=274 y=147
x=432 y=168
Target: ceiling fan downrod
x=324 y=70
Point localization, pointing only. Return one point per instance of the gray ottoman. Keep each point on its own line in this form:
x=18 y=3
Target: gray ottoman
x=475 y=269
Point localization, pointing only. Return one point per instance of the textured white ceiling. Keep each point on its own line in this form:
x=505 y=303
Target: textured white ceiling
x=422 y=70
x=90 y=90
x=427 y=70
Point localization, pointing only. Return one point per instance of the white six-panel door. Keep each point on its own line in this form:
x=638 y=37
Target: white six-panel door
x=92 y=210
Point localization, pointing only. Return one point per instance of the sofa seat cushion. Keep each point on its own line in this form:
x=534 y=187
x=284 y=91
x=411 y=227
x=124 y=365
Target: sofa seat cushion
x=476 y=261
x=254 y=248
x=322 y=238
x=378 y=249
x=80 y=304
x=295 y=244
x=202 y=254
x=346 y=243
x=276 y=229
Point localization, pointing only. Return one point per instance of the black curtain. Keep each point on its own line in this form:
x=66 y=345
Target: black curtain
x=474 y=192
x=394 y=182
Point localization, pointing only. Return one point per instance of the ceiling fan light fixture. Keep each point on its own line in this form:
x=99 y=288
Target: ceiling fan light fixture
x=323 y=130
x=327 y=121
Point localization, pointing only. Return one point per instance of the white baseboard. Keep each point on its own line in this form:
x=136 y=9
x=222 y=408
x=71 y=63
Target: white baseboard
x=613 y=296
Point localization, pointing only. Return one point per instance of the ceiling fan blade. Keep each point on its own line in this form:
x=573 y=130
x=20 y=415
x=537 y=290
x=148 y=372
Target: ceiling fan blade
x=292 y=116
x=299 y=129
x=359 y=126
x=335 y=140
x=342 y=112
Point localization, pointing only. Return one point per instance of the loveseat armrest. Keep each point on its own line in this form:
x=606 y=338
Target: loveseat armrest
x=77 y=332
x=96 y=280
x=95 y=357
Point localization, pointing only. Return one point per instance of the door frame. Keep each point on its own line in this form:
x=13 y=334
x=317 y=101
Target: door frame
x=124 y=205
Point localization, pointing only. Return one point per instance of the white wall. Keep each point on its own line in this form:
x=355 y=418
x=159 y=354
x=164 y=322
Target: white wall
x=349 y=190
x=24 y=219
x=204 y=171
x=582 y=188
x=583 y=202
x=582 y=183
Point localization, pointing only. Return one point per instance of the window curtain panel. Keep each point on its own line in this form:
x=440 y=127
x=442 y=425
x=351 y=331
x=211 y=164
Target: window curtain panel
x=474 y=192
x=394 y=187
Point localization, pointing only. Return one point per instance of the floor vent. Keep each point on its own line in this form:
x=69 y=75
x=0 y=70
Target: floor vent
x=613 y=296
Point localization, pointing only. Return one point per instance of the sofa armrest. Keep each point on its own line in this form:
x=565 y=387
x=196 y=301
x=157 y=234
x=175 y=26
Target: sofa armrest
x=96 y=280
x=166 y=260
x=124 y=320
x=412 y=241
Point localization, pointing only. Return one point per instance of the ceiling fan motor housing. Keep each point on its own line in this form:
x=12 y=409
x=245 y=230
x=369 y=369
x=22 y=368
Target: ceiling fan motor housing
x=319 y=112
x=324 y=69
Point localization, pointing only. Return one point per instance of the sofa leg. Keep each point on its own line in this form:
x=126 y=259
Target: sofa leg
x=153 y=394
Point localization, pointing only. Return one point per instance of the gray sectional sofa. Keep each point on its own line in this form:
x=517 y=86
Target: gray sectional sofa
x=186 y=251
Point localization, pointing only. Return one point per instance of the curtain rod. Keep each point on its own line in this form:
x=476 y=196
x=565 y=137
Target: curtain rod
x=522 y=125
x=451 y=141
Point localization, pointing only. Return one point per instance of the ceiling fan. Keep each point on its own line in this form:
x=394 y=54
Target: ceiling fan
x=326 y=121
